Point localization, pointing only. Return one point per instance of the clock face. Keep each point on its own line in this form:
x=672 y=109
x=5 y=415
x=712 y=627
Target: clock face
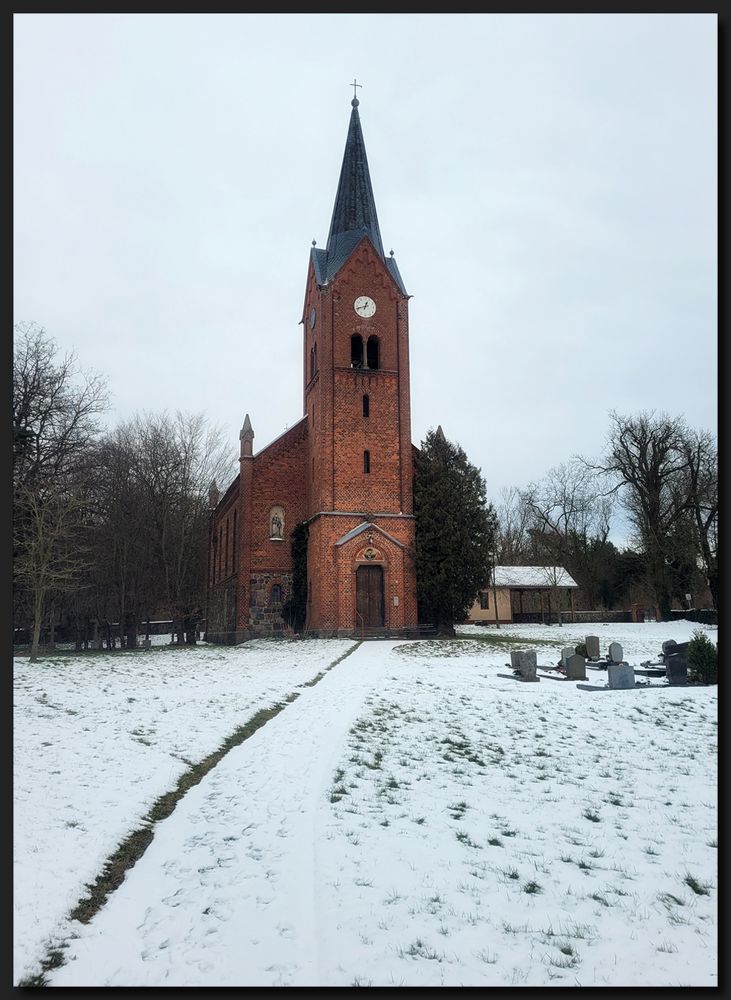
x=313 y=317
x=364 y=306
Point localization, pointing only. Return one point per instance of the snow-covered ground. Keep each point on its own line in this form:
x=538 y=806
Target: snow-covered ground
x=411 y=819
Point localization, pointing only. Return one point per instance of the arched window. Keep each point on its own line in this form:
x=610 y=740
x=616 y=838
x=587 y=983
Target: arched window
x=313 y=360
x=276 y=593
x=372 y=352
x=366 y=406
x=276 y=522
x=356 y=351
x=366 y=461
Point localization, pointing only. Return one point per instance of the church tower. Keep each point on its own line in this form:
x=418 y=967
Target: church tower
x=344 y=469
x=358 y=410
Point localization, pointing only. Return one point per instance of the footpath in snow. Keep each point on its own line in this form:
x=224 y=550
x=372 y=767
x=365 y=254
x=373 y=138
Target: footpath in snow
x=226 y=892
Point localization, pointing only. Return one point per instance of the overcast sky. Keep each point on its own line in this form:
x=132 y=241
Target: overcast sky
x=548 y=184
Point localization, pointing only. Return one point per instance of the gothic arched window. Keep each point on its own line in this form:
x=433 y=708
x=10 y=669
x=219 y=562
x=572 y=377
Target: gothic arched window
x=356 y=351
x=372 y=352
x=366 y=406
x=276 y=593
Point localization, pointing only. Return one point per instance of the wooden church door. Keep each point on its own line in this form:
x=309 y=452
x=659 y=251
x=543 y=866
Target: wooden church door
x=369 y=596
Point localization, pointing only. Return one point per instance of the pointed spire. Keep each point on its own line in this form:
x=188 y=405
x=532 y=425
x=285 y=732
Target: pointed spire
x=246 y=437
x=439 y=434
x=354 y=214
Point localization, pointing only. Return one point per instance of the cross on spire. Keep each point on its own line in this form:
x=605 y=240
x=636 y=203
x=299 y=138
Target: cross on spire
x=355 y=84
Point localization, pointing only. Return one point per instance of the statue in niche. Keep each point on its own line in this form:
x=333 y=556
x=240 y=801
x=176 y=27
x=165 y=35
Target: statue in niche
x=276 y=526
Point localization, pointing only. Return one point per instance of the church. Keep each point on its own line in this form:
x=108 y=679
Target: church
x=345 y=469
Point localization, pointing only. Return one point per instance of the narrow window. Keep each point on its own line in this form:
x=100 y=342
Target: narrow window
x=226 y=560
x=276 y=594
x=366 y=406
x=312 y=362
x=484 y=600
x=372 y=352
x=313 y=469
x=356 y=351
x=234 y=561
x=366 y=461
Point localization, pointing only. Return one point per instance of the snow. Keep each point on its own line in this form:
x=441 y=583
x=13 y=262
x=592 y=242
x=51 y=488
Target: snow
x=412 y=818
x=533 y=576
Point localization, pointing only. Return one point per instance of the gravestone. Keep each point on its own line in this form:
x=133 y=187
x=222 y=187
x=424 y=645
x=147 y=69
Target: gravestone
x=616 y=653
x=525 y=662
x=146 y=643
x=576 y=668
x=592 y=647
x=566 y=653
x=676 y=669
x=621 y=675
x=668 y=647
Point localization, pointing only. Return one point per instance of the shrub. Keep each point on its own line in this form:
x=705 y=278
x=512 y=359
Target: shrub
x=581 y=650
x=702 y=659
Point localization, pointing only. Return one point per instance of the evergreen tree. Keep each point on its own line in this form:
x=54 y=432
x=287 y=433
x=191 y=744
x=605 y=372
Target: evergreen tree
x=455 y=529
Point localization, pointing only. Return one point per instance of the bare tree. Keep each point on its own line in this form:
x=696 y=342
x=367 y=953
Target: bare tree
x=55 y=407
x=701 y=489
x=569 y=514
x=513 y=519
x=55 y=412
x=153 y=522
x=646 y=459
x=50 y=556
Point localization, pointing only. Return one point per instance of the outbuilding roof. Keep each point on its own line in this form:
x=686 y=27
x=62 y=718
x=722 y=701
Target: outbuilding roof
x=527 y=577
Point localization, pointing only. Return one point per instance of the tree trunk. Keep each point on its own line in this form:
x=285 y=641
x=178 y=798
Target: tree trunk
x=37 y=612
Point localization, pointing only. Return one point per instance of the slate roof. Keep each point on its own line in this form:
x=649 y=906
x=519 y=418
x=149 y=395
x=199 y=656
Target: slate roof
x=354 y=213
x=525 y=577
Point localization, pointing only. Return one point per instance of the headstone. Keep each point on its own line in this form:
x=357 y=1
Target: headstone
x=616 y=653
x=576 y=668
x=592 y=647
x=668 y=647
x=566 y=653
x=621 y=675
x=525 y=662
x=676 y=669
x=146 y=643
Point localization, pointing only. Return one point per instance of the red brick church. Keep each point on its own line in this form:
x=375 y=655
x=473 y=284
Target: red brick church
x=345 y=469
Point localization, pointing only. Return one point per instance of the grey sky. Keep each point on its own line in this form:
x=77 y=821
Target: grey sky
x=548 y=184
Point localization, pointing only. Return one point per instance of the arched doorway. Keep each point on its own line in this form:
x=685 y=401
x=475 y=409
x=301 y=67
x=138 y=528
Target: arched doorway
x=369 y=596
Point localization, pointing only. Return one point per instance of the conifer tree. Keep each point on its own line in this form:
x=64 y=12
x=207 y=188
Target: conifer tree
x=455 y=528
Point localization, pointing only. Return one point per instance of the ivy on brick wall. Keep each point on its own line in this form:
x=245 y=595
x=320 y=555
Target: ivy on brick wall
x=294 y=610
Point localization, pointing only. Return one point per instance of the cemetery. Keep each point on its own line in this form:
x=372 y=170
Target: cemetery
x=669 y=668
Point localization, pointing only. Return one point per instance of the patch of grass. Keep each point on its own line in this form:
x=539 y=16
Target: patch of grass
x=532 y=888
x=651 y=850
x=421 y=950
x=667 y=947
x=669 y=899
x=465 y=839
x=599 y=898
x=698 y=887
x=591 y=815
x=458 y=809
x=495 y=842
